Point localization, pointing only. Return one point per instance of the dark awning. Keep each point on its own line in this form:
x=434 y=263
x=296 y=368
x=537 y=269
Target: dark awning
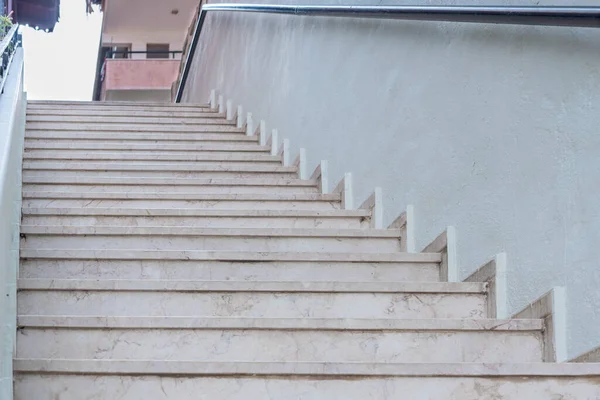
x=43 y=14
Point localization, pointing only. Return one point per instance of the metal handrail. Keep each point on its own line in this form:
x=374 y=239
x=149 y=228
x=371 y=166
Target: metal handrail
x=582 y=17
x=112 y=53
x=8 y=47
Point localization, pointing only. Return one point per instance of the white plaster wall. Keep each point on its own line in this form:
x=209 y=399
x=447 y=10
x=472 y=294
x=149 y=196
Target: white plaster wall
x=12 y=132
x=492 y=129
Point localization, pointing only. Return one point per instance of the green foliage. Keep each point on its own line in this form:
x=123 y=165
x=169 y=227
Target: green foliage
x=5 y=24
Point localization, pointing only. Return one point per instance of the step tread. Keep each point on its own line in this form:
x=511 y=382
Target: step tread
x=134 y=322
x=162 y=167
x=141 y=104
x=183 y=196
x=199 y=368
x=213 y=119
x=184 y=212
x=198 y=255
x=194 y=231
x=163 y=148
x=89 y=156
x=122 y=181
x=126 y=285
x=78 y=130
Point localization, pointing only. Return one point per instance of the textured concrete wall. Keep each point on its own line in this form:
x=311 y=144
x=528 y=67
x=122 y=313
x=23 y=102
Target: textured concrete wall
x=492 y=129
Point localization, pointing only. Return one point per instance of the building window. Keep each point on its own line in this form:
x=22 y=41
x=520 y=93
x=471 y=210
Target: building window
x=120 y=51
x=157 y=50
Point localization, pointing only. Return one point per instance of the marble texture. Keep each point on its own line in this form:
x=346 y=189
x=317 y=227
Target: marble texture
x=229 y=270
x=222 y=156
x=104 y=129
x=245 y=256
x=203 y=222
x=215 y=202
x=279 y=345
x=206 y=241
x=131 y=121
x=145 y=146
x=167 y=189
x=274 y=304
x=71 y=387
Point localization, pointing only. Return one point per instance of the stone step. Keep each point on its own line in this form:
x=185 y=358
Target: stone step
x=183 y=238
x=73 y=180
x=182 y=200
x=125 y=148
x=97 y=129
x=141 y=137
x=76 y=112
x=154 y=166
x=244 y=256
x=350 y=219
x=252 y=299
x=285 y=271
x=51 y=121
x=119 y=106
x=279 y=340
x=44 y=379
x=171 y=170
x=222 y=157
x=190 y=189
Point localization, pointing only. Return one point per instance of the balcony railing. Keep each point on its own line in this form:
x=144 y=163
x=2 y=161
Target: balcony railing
x=8 y=47
x=116 y=54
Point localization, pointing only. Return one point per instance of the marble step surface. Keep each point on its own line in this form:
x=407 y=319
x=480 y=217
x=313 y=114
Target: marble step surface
x=66 y=265
x=280 y=340
x=133 y=120
x=141 y=137
x=153 y=148
x=266 y=201
x=75 y=155
x=169 y=113
x=119 y=106
x=180 y=171
x=141 y=182
x=65 y=166
x=184 y=238
x=379 y=300
x=189 y=189
x=47 y=380
x=212 y=125
x=340 y=219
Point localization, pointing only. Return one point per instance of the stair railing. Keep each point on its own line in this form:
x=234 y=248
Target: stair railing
x=582 y=17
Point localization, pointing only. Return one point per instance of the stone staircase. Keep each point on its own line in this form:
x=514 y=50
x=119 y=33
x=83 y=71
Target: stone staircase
x=170 y=252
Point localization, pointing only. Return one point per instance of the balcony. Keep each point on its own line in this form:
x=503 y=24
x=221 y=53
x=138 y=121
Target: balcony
x=129 y=79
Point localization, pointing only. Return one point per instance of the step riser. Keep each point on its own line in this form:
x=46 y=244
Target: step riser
x=129 y=108
x=104 y=129
x=61 y=174
x=213 y=189
x=229 y=345
x=252 y=304
x=227 y=270
x=192 y=115
x=187 y=204
x=110 y=164
x=141 y=138
x=148 y=156
x=154 y=242
x=153 y=148
x=51 y=387
x=52 y=121
x=206 y=222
